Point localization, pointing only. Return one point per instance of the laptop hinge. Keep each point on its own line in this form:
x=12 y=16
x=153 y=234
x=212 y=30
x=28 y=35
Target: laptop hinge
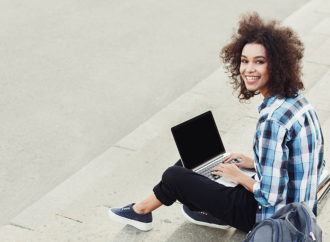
x=210 y=162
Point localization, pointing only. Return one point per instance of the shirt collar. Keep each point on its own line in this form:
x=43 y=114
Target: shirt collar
x=267 y=102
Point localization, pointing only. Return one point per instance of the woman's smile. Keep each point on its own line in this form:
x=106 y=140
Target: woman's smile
x=252 y=79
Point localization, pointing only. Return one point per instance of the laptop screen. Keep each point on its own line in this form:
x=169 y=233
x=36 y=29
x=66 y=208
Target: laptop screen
x=198 y=140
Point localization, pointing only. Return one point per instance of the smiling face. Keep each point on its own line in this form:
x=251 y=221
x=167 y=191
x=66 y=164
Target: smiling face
x=254 y=68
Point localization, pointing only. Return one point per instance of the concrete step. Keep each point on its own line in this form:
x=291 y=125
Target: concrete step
x=305 y=18
x=311 y=23
x=323 y=218
x=316 y=40
x=76 y=210
x=86 y=196
x=319 y=97
x=312 y=73
x=314 y=64
x=317 y=43
x=91 y=195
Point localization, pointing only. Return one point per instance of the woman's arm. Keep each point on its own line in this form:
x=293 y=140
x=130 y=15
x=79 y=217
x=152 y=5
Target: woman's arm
x=246 y=182
x=271 y=187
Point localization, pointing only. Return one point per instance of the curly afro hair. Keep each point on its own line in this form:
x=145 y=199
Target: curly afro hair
x=284 y=53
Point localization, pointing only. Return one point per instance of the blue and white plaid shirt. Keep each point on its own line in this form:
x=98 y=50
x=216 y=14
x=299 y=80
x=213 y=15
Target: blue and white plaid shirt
x=288 y=152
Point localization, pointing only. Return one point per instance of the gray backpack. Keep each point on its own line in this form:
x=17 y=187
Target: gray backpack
x=294 y=222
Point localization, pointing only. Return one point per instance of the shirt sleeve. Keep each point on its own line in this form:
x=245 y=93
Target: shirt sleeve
x=271 y=186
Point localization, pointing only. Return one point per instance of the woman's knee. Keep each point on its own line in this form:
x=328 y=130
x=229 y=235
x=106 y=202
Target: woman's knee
x=172 y=174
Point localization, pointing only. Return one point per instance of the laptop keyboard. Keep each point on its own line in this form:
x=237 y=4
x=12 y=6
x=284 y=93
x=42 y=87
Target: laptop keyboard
x=206 y=171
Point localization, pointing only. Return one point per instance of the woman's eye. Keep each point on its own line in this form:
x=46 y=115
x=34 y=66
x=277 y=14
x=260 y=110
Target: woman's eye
x=244 y=61
x=260 y=62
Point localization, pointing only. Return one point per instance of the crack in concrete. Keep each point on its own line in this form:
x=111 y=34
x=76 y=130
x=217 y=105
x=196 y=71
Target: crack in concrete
x=76 y=220
x=21 y=227
x=105 y=206
x=125 y=148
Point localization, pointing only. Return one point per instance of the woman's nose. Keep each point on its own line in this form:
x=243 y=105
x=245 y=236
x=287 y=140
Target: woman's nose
x=250 y=67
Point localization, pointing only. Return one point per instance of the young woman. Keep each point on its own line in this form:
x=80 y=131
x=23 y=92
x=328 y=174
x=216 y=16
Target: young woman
x=262 y=58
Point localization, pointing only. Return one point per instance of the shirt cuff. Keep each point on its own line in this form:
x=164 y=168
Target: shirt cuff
x=257 y=193
x=256 y=189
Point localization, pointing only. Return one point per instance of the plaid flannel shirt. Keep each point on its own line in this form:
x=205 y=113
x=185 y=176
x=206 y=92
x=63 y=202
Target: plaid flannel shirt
x=288 y=152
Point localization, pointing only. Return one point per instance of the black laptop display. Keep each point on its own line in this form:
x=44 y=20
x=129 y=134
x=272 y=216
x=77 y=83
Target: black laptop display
x=198 y=140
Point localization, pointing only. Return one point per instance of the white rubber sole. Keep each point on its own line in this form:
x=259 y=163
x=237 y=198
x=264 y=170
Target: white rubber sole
x=217 y=226
x=139 y=225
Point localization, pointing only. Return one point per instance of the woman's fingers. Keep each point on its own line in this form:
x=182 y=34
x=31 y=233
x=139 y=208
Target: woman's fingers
x=227 y=170
x=228 y=158
x=219 y=173
x=231 y=157
x=221 y=167
x=218 y=170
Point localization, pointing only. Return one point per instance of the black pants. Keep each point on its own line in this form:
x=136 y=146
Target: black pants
x=234 y=205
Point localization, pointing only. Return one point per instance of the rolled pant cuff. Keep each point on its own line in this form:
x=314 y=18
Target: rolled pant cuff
x=167 y=201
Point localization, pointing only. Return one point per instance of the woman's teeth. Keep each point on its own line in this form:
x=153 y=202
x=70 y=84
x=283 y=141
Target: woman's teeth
x=252 y=78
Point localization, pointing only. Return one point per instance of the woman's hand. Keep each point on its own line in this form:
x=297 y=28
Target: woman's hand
x=230 y=171
x=245 y=161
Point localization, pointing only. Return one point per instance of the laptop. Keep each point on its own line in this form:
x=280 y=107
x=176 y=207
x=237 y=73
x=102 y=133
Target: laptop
x=201 y=148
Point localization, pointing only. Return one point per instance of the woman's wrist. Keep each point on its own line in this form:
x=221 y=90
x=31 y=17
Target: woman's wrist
x=249 y=161
x=246 y=182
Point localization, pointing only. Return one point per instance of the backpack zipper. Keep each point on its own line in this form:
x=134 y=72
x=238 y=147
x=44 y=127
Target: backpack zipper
x=276 y=228
x=311 y=234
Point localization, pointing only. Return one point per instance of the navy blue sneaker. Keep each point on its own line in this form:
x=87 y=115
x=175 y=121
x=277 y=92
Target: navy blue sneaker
x=202 y=218
x=127 y=215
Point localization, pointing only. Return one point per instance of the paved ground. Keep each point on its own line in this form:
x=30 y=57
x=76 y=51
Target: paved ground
x=76 y=210
x=77 y=76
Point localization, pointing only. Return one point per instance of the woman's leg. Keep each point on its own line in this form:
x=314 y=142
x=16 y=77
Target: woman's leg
x=235 y=206
x=139 y=214
x=147 y=205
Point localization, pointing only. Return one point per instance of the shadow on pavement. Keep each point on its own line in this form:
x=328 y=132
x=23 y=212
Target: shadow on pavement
x=185 y=232
x=194 y=233
x=130 y=234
